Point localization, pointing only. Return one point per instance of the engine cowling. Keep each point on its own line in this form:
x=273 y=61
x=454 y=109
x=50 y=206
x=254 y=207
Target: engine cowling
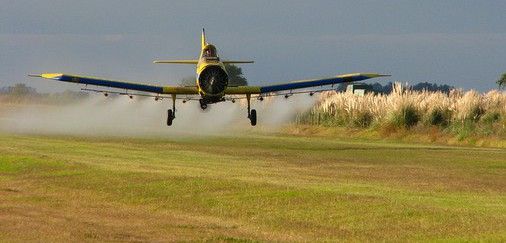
x=213 y=80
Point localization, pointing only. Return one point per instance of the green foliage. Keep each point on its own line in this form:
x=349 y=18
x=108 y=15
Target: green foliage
x=491 y=117
x=476 y=113
x=439 y=117
x=315 y=117
x=489 y=122
x=406 y=117
x=480 y=123
x=463 y=129
x=502 y=81
x=235 y=75
x=363 y=119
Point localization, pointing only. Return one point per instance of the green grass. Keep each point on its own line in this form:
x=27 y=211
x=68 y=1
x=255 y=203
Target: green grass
x=248 y=188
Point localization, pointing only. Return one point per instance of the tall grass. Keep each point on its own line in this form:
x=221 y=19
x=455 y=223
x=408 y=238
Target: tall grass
x=460 y=112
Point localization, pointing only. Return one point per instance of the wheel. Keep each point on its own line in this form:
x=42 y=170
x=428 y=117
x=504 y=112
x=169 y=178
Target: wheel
x=170 y=117
x=203 y=104
x=253 y=117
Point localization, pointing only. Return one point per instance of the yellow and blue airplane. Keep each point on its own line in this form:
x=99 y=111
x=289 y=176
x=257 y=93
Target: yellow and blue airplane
x=211 y=84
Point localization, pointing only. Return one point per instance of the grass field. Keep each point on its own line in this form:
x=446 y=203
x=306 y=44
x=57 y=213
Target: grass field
x=252 y=187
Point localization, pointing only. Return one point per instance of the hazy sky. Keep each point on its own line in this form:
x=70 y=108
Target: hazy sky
x=459 y=42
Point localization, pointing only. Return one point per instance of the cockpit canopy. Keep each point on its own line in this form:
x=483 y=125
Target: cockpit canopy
x=209 y=53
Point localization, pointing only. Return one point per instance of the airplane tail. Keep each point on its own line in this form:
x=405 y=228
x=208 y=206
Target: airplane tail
x=204 y=42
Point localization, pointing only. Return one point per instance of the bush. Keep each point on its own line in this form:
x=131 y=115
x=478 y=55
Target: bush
x=363 y=119
x=319 y=118
x=463 y=129
x=476 y=113
x=406 y=117
x=439 y=117
x=491 y=117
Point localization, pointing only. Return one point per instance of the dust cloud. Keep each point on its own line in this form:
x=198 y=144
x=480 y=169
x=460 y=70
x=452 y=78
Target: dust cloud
x=120 y=116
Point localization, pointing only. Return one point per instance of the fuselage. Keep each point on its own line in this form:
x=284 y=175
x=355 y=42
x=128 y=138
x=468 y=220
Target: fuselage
x=212 y=77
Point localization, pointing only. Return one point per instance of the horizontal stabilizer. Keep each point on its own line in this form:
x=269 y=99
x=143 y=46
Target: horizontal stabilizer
x=236 y=62
x=176 y=61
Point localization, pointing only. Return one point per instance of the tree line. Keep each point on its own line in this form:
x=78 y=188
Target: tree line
x=387 y=88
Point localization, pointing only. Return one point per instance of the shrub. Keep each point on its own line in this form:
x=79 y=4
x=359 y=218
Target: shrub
x=363 y=119
x=406 y=117
x=439 y=117
x=491 y=117
x=463 y=129
x=476 y=113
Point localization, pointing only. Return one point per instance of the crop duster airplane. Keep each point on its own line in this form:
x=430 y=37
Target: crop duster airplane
x=211 y=84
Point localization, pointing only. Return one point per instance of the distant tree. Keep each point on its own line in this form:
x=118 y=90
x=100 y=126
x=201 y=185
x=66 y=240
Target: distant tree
x=375 y=87
x=235 y=77
x=19 y=90
x=502 y=81
x=382 y=89
x=387 y=88
x=432 y=87
x=342 y=87
x=69 y=95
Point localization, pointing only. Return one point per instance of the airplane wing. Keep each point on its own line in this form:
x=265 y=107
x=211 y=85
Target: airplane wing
x=300 y=84
x=193 y=90
x=118 y=84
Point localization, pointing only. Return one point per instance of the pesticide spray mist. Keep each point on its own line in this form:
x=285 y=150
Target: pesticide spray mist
x=143 y=117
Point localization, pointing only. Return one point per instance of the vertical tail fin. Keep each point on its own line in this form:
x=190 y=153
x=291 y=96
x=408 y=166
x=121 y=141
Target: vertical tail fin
x=204 y=42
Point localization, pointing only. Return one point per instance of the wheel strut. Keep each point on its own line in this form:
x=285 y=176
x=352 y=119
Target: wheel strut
x=252 y=113
x=248 y=98
x=171 y=113
x=174 y=104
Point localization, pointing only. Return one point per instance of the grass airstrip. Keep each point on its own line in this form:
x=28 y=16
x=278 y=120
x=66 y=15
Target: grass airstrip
x=247 y=188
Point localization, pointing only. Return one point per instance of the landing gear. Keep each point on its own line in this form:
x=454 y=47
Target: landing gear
x=252 y=113
x=253 y=117
x=170 y=117
x=171 y=113
x=203 y=104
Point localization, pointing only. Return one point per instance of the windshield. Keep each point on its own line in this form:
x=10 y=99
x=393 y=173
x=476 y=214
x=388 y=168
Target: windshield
x=209 y=52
